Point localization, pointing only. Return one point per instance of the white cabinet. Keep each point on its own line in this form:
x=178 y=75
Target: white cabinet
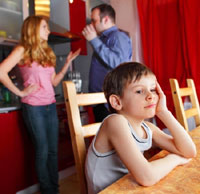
x=12 y=14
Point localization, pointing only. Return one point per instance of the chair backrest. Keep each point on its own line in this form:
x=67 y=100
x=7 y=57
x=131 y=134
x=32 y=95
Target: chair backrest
x=78 y=131
x=178 y=93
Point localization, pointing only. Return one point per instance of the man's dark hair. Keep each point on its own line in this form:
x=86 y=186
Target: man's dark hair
x=105 y=10
x=118 y=78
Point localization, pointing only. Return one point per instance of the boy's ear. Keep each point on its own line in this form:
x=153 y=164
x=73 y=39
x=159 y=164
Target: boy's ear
x=115 y=102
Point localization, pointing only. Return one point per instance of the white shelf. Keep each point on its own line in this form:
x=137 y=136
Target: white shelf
x=2 y=9
x=7 y=41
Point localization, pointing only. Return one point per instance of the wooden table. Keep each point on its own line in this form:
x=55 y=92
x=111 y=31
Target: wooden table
x=182 y=180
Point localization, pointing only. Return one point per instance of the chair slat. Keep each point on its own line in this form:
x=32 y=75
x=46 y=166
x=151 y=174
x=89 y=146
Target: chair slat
x=177 y=94
x=77 y=131
x=191 y=112
x=91 y=129
x=185 y=91
x=90 y=99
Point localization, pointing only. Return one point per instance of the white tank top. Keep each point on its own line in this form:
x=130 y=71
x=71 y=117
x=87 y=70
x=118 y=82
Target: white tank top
x=102 y=169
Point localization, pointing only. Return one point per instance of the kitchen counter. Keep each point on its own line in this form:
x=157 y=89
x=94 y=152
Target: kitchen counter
x=7 y=107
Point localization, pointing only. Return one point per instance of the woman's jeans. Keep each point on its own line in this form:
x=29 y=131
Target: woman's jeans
x=42 y=123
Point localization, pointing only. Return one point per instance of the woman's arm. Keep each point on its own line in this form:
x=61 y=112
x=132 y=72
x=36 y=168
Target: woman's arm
x=146 y=173
x=7 y=65
x=56 y=78
x=180 y=142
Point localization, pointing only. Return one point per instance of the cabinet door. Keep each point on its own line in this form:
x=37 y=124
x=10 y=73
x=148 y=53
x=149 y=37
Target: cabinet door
x=12 y=13
x=16 y=154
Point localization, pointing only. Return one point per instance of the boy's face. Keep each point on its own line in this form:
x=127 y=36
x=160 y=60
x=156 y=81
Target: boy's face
x=140 y=98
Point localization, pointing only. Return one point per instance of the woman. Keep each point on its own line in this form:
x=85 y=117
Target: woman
x=36 y=62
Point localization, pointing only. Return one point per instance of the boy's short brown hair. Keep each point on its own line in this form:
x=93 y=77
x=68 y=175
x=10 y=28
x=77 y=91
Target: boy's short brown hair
x=125 y=73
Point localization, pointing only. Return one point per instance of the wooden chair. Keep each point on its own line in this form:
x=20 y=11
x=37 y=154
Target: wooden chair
x=79 y=132
x=177 y=93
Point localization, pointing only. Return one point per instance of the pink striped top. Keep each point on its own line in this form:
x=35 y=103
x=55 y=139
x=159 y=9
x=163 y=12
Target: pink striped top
x=37 y=74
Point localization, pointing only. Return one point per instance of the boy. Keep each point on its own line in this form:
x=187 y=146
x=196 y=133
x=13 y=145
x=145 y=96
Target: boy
x=133 y=95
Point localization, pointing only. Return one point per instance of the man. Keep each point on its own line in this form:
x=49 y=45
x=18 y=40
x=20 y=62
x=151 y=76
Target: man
x=111 y=47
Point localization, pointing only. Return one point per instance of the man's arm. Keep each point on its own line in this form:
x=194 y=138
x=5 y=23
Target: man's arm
x=118 y=50
x=114 y=53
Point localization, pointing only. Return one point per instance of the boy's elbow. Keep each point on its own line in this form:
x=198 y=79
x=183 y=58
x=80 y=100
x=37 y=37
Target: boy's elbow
x=194 y=152
x=147 y=180
x=191 y=153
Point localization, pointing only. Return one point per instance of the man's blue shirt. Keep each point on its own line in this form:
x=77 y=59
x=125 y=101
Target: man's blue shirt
x=112 y=48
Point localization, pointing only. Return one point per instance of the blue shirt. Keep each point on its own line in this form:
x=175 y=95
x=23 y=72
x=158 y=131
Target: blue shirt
x=112 y=48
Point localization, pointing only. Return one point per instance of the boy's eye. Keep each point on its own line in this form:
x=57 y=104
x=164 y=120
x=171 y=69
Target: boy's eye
x=153 y=90
x=139 y=91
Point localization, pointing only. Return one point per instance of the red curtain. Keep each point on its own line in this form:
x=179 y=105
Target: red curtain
x=190 y=23
x=170 y=40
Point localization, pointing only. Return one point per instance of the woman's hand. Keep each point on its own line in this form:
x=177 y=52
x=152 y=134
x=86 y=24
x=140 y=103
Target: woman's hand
x=56 y=78
x=28 y=90
x=162 y=104
x=71 y=56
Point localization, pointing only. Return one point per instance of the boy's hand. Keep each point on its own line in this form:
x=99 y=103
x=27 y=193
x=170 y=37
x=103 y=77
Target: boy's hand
x=162 y=105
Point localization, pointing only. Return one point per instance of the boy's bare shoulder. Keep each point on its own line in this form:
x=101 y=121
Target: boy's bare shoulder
x=114 y=122
x=112 y=119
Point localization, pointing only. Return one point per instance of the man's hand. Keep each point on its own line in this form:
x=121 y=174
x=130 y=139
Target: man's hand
x=89 y=32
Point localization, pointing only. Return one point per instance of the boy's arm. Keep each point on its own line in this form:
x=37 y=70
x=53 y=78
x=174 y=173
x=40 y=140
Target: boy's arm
x=180 y=142
x=146 y=173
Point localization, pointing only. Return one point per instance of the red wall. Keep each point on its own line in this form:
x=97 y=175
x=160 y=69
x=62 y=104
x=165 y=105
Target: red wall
x=16 y=154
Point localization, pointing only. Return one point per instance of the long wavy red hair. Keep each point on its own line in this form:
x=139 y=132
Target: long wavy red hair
x=35 y=49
